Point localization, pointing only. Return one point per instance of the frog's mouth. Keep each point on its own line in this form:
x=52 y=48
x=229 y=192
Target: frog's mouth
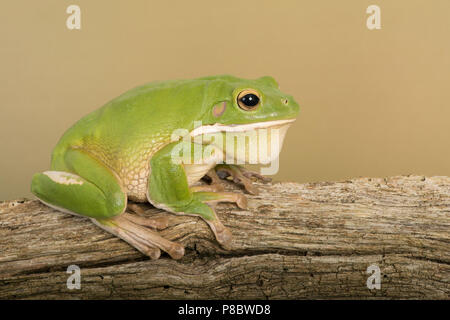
x=218 y=127
x=260 y=142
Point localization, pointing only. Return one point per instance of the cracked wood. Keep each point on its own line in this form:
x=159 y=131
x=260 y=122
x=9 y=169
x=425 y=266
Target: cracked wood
x=295 y=241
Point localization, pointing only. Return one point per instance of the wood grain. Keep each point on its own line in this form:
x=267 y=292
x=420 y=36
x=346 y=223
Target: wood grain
x=295 y=241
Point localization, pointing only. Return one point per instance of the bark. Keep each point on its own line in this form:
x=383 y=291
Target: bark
x=295 y=241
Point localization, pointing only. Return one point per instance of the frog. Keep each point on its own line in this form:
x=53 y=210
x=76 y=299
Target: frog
x=122 y=155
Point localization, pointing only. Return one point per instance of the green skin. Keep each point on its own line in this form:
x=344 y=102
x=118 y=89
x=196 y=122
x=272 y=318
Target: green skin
x=122 y=150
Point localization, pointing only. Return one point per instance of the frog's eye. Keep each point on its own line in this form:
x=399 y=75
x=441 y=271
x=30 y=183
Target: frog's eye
x=248 y=99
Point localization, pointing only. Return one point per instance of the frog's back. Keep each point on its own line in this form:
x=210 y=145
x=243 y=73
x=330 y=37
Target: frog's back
x=128 y=130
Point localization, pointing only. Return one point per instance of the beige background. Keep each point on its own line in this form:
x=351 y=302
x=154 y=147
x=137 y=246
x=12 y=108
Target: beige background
x=374 y=103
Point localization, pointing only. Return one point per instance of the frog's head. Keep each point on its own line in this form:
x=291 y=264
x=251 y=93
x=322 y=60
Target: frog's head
x=239 y=105
x=232 y=101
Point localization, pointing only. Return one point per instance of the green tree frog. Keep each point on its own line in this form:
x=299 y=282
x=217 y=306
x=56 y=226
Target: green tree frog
x=125 y=151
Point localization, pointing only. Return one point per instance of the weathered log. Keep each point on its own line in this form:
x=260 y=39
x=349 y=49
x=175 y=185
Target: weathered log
x=295 y=241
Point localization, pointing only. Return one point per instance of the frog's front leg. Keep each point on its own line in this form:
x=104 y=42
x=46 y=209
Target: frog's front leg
x=169 y=189
x=84 y=186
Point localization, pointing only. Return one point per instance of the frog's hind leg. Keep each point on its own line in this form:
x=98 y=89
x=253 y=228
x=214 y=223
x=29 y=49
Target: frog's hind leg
x=85 y=187
x=73 y=194
x=139 y=243
x=140 y=237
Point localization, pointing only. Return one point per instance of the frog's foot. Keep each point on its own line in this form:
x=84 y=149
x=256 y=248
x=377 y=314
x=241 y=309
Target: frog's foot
x=209 y=200
x=239 y=175
x=222 y=234
x=203 y=205
x=126 y=227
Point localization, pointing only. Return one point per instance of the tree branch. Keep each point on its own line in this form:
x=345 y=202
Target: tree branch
x=295 y=241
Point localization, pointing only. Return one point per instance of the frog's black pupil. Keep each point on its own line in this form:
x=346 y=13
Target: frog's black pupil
x=250 y=100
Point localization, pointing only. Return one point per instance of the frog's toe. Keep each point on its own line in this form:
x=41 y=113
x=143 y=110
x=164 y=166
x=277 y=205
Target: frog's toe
x=222 y=234
x=224 y=237
x=211 y=198
x=252 y=174
x=239 y=199
x=177 y=251
x=240 y=175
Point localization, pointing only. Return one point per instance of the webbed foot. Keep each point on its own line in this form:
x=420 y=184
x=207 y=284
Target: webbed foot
x=134 y=229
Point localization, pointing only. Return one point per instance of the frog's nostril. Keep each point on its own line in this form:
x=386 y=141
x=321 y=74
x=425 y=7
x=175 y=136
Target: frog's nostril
x=285 y=101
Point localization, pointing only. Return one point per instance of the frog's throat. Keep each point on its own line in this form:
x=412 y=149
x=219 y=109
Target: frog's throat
x=218 y=127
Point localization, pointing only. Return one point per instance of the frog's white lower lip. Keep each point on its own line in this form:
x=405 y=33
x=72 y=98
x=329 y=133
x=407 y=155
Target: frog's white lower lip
x=218 y=127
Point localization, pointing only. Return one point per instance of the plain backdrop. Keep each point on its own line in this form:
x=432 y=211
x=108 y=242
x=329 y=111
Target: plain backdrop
x=373 y=102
